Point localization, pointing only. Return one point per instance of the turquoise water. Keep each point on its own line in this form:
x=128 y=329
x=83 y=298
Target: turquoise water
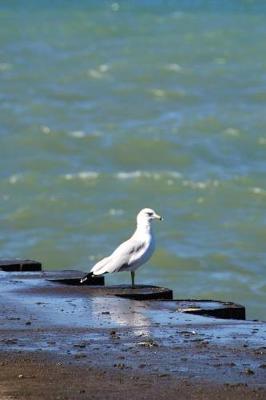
x=109 y=107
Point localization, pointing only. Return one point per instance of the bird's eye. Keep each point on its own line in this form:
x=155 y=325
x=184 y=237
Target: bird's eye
x=149 y=214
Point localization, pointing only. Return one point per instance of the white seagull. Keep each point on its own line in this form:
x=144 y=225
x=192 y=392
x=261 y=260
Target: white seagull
x=132 y=253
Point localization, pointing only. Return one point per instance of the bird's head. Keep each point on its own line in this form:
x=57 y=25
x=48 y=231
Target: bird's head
x=147 y=215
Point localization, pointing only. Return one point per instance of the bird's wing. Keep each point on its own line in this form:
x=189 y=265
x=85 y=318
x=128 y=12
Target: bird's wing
x=99 y=265
x=138 y=251
x=122 y=258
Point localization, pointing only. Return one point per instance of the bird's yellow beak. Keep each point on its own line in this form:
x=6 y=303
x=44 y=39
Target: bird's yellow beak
x=158 y=217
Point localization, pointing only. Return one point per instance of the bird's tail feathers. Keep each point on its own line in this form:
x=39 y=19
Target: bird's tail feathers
x=98 y=268
x=85 y=277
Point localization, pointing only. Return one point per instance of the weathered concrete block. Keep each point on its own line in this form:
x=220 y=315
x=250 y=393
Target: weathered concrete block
x=72 y=277
x=16 y=264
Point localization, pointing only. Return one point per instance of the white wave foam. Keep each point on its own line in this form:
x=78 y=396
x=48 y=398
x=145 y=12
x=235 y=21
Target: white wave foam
x=232 y=132
x=83 y=175
x=45 y=129
x=129 y=175
x=146 y=174
x=201 y=185
x=158 y=93
x=173 y=67
x=262 y=141
x=82 y=134
x=116 y=212
x=77 y=134
x=5 y=67
x=115 y=7
x=99 y=72
x=13 y=179
x=258 y=190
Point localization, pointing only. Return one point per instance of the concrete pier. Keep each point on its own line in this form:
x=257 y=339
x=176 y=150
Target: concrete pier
x=125 y=344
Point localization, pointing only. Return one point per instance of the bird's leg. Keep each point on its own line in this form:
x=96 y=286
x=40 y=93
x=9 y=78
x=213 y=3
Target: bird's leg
x=132 y=279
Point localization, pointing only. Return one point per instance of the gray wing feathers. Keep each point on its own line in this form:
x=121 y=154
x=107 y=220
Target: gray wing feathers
x=121 y=259
x=96 y=269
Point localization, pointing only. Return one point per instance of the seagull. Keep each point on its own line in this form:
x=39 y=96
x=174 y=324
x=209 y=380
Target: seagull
x=132 y=253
